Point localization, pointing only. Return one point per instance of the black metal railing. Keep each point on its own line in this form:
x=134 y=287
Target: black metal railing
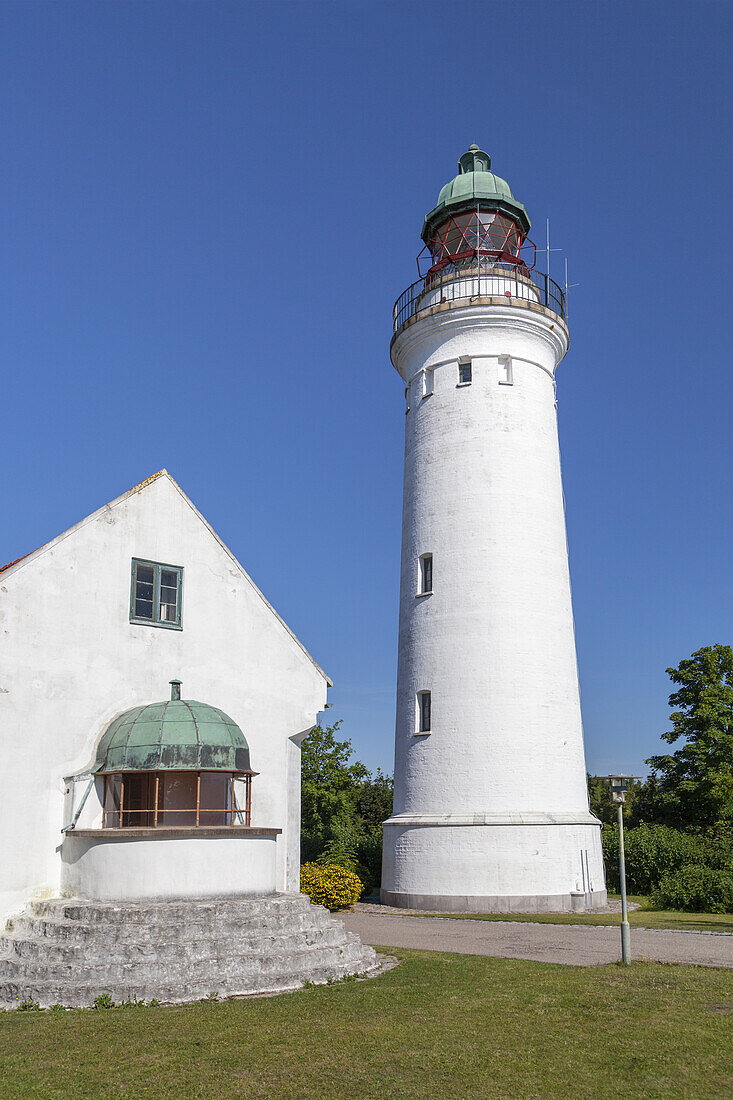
x=459 y=281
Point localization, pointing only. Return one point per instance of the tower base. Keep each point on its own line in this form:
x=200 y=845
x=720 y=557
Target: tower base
x=491 y=863
x=497 y=903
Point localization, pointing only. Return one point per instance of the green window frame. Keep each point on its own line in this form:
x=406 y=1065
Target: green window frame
x=156 y=594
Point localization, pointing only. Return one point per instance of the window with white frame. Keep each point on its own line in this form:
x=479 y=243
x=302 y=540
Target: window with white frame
x=506 y=372
x=465 y=371
x=426 y=574
x=428 y=382
x=155 y=596
x=424 y=709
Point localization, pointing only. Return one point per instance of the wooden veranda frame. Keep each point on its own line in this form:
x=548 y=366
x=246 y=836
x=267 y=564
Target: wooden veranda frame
x=237 y=815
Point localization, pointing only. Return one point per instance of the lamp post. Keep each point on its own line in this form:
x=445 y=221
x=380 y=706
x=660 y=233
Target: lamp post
x=619 y=787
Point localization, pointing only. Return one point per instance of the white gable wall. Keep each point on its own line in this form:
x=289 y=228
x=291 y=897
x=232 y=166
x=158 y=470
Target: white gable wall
x=70 y=660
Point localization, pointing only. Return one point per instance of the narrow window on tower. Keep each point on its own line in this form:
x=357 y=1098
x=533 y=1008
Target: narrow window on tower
x=426 y=574
x=428 y=382
x=465 y=371
x=506 y=373
x=423 y=712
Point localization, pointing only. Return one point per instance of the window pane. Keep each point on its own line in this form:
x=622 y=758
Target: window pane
x=168 y=605
x=144 y=575
x=177 y=798
x=216 y=798
x=424 y=711
x=168 y=596
x=138 y=799
x=112 y=788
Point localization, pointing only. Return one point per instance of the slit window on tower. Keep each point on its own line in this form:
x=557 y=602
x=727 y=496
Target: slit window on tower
x=428 y=382
x=426 y=574
x=424 y=708
x=465 y=371
x=506 y=373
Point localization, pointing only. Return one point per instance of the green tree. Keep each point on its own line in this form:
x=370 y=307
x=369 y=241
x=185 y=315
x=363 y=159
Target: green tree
x=343 y=806
x=693 y=786
x=329 y=788
x=374 y=800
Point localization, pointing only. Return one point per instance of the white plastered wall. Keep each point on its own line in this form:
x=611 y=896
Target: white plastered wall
x=70 y=660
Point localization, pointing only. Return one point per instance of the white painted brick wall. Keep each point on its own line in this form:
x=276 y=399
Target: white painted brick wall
x=495 y=642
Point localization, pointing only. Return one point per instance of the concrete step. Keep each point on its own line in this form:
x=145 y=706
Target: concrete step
x=190 y=949
x=209 y=968
x=69 y=951
x=74 y=909
x=223 y=925
x=46 y=993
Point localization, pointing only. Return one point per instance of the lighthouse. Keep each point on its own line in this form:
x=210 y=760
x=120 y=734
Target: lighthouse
x=491 y=807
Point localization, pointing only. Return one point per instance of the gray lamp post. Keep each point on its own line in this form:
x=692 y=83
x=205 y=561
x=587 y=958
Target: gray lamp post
x=619 y=787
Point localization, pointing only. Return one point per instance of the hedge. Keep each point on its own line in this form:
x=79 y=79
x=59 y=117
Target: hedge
x=695 y=889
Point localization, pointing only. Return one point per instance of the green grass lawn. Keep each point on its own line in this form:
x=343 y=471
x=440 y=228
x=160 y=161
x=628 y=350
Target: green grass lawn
x=646 y=917
x=438 y=1027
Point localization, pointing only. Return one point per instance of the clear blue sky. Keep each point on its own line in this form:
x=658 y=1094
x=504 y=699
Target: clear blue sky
x=207 y=210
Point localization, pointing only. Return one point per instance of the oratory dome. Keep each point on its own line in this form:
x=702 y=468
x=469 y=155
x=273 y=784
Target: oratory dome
x=175 y=735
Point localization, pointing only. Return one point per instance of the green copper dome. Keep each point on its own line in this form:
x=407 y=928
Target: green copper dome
x=176 y=735
x=475 y=183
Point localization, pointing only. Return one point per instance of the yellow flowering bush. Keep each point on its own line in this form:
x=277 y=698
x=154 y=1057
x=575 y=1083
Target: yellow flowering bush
x=332 y=886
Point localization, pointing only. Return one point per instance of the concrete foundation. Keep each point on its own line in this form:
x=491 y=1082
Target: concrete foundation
x=497 y=903
x=159 y=864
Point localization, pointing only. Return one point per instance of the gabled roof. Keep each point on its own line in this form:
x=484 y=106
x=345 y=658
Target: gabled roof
x=26 y=559
x=15 y=561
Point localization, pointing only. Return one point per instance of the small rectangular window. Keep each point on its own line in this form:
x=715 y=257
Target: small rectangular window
x=423 y=712
x=428 y=382
x=465 y=373
x=156 y=593
x=506 y=373
x=426 y=574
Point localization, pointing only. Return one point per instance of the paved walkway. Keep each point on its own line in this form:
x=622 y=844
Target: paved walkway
x=574 y=945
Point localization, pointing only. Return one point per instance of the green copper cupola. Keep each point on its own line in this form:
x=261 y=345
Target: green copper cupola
x=476 y=215
x=175 y=735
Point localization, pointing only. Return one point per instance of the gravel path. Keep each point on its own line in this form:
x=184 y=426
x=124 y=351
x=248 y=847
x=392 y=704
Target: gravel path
x=574 y=945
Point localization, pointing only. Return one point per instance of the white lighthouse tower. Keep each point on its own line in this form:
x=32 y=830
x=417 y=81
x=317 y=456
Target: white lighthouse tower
x=491 y=805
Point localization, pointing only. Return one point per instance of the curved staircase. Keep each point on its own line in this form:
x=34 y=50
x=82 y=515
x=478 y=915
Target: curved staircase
x=70 y=951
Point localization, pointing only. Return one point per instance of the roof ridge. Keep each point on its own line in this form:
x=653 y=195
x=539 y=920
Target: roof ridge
x=135 y=489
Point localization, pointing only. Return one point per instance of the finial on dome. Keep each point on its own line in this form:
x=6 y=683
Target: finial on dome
x=475 y=160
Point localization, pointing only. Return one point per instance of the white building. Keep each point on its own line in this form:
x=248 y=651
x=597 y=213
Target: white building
x=202 y=798
x=491 y=806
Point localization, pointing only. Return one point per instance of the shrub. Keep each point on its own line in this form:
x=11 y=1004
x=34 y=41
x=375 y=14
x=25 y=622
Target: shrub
x=695 y=889
x=330 y=885
x=652 y=852
x=369 y=853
